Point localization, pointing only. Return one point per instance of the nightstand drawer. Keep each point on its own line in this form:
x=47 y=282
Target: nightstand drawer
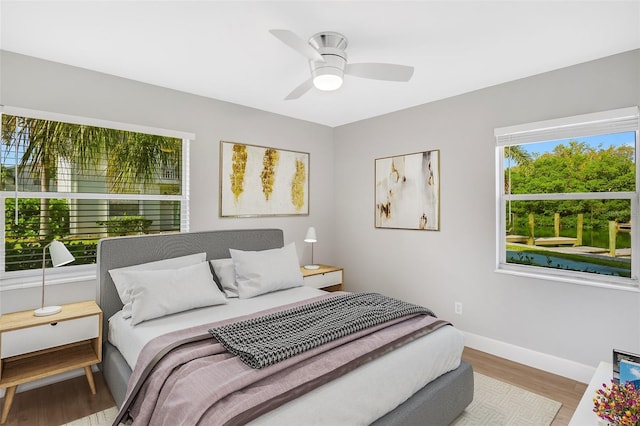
x=323 y=280
x=45 y=336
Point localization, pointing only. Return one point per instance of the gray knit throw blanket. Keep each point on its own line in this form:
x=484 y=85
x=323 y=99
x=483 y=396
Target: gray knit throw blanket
x=271 y=338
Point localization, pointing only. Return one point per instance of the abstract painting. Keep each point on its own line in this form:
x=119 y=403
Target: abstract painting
x=408 y=191
x=262 y=181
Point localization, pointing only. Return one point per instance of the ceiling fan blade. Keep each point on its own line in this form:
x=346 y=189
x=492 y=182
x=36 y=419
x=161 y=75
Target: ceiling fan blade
x=378 y=71
x=300 y=90
x=297 y=44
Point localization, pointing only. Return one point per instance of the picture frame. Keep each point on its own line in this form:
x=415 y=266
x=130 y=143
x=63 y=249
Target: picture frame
x=407 y=191
x=618 y=356
x=262 y=181
x=630 y=373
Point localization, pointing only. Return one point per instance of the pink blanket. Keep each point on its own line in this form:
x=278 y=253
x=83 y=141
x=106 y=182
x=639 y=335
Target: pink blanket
x=199 y=382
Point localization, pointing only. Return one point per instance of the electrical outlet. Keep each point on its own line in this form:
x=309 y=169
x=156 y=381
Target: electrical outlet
x=457 y=307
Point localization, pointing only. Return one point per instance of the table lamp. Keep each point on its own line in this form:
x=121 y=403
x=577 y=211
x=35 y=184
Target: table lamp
x=311 y=238
x=59 y=256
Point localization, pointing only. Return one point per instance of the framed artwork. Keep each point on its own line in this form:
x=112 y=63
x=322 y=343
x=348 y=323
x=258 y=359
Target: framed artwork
x=408 y=191
x=618 y=357
x=262 y=181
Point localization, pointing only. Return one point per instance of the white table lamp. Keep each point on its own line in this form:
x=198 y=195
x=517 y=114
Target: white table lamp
x=59 y=256
x=311 y=238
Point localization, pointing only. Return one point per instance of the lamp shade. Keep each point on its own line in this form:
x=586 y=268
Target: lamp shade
x=59 y=254
x=311 y=235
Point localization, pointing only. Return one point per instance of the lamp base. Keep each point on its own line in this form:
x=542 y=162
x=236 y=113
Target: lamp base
x=311 y=266
x=47 y=310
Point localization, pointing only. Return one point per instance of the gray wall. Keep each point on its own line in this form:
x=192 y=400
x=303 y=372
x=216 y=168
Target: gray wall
x=569 y=321
x=41 y=85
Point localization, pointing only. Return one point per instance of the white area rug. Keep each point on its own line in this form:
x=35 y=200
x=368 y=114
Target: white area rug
x=498 y=403
x=495 y=403
x=101 y=418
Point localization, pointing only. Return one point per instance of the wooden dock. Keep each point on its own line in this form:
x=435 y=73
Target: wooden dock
x=516 y=239
x=555 y=241
x=624 y=227
x=543 y=241
x=558 y=242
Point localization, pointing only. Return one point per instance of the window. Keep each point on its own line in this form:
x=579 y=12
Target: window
x=567 y=198
x=79 y=180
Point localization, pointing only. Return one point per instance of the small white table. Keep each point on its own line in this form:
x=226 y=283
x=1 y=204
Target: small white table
x=584 y=415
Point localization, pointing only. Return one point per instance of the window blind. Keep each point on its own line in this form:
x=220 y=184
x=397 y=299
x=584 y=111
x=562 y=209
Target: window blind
x=78 y=183
x=615 y=121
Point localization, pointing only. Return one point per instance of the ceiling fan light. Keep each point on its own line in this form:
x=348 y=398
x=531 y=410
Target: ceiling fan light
x=327 y=79
x=327 y=82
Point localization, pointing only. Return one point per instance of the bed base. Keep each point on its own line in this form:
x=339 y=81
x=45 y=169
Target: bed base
x=438 y=403
x=116 y=372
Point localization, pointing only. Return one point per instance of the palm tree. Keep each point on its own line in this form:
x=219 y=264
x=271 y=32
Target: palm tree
x=133 y=159
x=517 y=154
x=521 y=158
x=43 y=143
x=136 y=159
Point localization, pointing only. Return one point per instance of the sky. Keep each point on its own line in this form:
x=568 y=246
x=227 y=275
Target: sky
x=605 y=141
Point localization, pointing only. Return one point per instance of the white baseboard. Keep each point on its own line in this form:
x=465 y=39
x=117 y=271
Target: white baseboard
x=552 y=364
x=50 y=380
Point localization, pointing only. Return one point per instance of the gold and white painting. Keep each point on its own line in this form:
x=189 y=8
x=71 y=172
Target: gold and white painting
x=262 y=181
x=408 y=191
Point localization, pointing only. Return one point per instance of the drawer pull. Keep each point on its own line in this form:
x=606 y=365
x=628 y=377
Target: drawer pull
x=53 y=324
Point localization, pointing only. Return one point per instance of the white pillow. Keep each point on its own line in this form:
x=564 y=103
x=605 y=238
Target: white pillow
x=226 y=273
x=158 y=293
x=259 y=272
x=120 y=276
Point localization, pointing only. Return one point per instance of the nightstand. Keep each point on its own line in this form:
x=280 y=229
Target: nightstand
x=33 y=348
x=328 y=278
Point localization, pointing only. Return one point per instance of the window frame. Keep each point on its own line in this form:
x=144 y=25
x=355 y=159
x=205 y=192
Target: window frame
x=605 y=122
x=74 y=273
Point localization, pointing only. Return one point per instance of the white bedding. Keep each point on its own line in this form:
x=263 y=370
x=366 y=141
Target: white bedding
x=381 y=385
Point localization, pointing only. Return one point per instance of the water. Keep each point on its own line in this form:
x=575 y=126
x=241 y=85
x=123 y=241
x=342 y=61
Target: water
x=567 y=264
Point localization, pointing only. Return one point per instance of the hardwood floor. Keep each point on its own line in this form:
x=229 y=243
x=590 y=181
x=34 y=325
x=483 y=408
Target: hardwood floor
x=70 y=400
x=558 y=388
x=59 y=403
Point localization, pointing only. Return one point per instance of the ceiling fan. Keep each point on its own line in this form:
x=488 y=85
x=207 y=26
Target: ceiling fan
x=328 y=62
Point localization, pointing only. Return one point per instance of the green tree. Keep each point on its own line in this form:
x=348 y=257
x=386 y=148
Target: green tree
x=43 y=143
x=521 y=158
x=575 y=167
x=28 y=224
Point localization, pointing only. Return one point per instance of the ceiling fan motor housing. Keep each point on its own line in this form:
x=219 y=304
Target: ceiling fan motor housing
x=328 y=74
x=328 y=62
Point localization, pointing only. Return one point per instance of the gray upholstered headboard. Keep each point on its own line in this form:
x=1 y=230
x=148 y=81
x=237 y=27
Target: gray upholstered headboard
x=118 y=252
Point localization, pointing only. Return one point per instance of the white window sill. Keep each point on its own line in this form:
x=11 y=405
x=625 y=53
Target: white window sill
x=511 y=270
x=29 y=279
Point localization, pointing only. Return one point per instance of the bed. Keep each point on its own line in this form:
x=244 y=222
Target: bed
x=447 y=387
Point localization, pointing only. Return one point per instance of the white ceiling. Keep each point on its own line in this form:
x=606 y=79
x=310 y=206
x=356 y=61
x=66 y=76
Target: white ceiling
x=223 y=50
